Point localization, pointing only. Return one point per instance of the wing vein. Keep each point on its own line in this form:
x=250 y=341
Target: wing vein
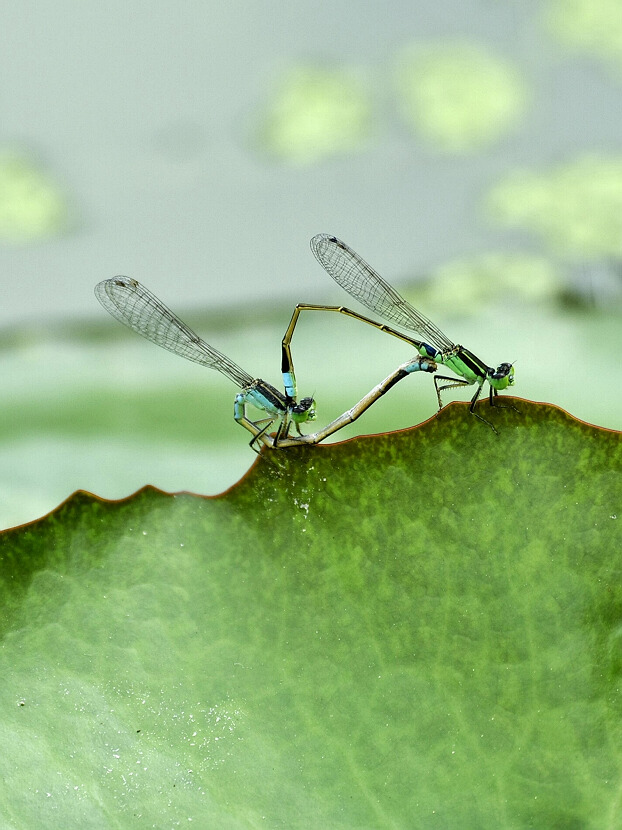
x=360 y=280
x=135 y=306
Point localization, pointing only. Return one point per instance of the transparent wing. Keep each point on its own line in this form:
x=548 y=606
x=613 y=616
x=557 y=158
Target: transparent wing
x=354 y=275
x=133 y=304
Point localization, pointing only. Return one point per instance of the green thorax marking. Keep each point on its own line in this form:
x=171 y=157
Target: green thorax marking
x=466 y=364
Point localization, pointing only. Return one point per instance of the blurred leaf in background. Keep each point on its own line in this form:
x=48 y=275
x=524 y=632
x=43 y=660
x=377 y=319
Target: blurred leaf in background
x=591 y=25
x=315 y=112
x=576 y=208
x=458 y=96
x=31 y=204
x=493 y=277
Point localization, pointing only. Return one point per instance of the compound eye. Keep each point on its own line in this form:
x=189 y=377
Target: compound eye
x=304 y=405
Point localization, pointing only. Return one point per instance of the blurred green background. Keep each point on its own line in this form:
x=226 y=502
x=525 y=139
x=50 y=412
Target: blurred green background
x=471 y=151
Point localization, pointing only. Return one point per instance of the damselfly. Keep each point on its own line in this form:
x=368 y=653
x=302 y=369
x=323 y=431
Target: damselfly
x=139 y=309
x=353 y=274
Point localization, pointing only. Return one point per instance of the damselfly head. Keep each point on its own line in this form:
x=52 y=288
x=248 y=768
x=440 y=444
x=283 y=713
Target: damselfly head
x=503 y=376
x=304 y=410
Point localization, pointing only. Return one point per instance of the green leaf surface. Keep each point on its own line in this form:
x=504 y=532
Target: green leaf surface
x=413 y=630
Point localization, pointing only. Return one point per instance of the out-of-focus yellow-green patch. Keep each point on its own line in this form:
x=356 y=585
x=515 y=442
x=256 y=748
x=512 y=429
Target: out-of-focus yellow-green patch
x=467 y=284
x=591 y=25
x=576 y=208
x=315 y=113
x=31 y=205
x=458 y=97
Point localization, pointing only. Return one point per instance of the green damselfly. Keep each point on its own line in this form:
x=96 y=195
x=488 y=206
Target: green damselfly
x=354 y=275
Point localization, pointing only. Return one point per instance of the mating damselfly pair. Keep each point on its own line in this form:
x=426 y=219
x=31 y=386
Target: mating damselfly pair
x=136 y=307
